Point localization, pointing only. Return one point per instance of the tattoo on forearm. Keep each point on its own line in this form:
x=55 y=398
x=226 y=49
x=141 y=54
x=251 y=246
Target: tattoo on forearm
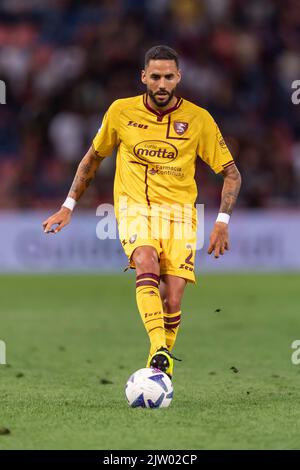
x=75 y=185
x=88 y=182
x=231 y=188
x=86 y=168
x=85 y=174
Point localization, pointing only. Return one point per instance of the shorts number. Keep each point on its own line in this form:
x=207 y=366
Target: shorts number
x=189 y=257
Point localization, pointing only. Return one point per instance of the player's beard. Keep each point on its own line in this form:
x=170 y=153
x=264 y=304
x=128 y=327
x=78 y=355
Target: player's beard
x=163 y=103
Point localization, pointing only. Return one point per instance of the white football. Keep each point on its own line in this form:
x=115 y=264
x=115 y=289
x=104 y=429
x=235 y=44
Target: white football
x=149 y=388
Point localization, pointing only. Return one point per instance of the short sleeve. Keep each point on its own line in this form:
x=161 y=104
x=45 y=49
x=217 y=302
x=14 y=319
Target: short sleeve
x=212 y=147
x=107 y=137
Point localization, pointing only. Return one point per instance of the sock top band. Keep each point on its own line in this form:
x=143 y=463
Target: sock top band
x=147 y=276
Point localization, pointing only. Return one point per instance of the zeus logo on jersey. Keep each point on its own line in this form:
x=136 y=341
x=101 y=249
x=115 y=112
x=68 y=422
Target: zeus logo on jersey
x=155 y=151
x=137 y=124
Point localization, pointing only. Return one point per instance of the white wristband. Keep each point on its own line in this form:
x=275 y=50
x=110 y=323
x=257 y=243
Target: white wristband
x=69 y=203
x=222 y=217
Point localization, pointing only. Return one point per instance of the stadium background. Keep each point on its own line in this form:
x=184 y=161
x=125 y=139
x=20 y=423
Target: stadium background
x=64 y=62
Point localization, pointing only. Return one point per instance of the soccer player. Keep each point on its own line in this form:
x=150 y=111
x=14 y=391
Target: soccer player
x=158 y=136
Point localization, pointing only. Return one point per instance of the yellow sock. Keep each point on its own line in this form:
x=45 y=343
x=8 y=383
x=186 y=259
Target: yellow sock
x=151 y=309
x=172 y=322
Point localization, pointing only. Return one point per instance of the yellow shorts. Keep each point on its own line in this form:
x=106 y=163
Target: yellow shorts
x=174 y=241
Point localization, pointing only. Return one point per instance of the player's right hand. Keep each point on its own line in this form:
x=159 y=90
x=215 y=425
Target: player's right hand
x=60 y=219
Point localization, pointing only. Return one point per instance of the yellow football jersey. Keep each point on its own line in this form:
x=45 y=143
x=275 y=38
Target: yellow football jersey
x=157 y=151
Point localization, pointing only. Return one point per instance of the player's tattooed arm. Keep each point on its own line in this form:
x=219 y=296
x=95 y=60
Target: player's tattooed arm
x=219 y=238
x=85 y=173
x=231 y=188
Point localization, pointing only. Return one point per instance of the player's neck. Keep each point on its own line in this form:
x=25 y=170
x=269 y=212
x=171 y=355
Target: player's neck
x=162 y=109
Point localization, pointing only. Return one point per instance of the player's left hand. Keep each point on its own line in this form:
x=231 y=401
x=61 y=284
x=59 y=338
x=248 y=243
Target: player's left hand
x=219 y=241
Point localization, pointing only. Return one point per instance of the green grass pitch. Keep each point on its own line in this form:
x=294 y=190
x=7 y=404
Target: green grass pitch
x=72 y=342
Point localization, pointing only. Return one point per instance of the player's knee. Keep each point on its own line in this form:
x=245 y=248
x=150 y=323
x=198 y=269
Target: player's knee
x=172 y=303
x=146 y=260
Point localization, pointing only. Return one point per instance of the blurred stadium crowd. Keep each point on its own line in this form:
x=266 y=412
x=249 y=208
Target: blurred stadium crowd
x=65 y=61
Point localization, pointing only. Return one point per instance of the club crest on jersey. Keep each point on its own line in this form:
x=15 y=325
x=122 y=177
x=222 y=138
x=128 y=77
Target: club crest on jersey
x=180 y=127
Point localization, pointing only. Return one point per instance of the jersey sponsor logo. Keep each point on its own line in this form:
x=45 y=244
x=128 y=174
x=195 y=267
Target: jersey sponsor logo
x=155 y=151
x=222 y=142
x=180 y=127
x=167 y=170
x=137 y=124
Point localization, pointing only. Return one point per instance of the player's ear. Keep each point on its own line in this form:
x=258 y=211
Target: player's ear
x=179 y=76
x=143 y=77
